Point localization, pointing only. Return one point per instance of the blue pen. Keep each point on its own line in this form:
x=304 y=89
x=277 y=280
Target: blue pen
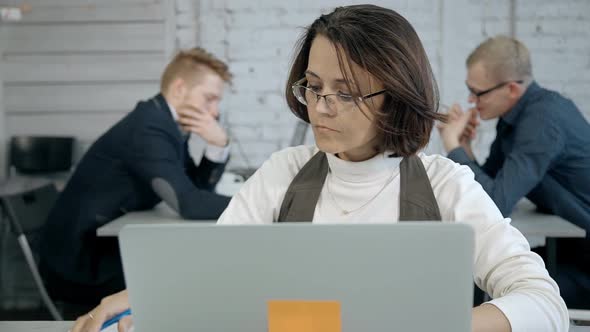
x=115 y=319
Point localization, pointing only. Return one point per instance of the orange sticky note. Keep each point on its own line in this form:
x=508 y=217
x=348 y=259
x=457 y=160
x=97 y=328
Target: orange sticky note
x=304 y=316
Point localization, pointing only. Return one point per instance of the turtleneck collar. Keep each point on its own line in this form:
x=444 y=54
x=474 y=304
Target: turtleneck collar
x=379 y=167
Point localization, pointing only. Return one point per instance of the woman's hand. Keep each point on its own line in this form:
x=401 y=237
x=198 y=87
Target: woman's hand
x=109 y=307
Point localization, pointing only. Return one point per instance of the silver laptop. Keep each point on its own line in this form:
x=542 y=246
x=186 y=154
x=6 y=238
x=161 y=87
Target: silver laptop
x=395 y=277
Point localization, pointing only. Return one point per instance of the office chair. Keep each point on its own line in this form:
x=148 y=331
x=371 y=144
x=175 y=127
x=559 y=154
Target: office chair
x=26 y=212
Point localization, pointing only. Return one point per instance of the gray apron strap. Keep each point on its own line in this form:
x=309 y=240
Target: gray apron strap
x=304 y=191
x=417 y=200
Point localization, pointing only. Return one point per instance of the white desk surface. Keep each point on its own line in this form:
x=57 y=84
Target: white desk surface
x=35 y=326
x=533 y=225
x=229 y=184
x=64 y=326
x=162 y=214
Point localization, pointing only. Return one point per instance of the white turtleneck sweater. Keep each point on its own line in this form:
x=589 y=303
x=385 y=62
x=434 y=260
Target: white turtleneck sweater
x=504 y=266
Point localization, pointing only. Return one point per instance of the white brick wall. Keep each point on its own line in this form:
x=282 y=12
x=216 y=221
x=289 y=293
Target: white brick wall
x=187 y=13
x=558 y=35
x=74 y=68
x=257 y=38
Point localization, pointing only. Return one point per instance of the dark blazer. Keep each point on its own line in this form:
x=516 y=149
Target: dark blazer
x=116 y=176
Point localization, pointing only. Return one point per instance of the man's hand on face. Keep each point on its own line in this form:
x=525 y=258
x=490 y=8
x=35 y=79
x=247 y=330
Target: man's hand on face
x=204 y=124
x=460 y=129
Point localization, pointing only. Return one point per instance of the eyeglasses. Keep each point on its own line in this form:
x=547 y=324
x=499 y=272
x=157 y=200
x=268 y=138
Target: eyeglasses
x=335 y=101
x=484 y=92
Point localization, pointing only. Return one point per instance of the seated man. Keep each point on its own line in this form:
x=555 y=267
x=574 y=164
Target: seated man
x=541 y=150
x=142 y=160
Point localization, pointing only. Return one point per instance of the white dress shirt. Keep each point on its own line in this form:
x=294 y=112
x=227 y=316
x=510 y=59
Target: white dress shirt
x=504 y=266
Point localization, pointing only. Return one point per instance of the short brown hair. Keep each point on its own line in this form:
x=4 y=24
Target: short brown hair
x=384 y=44
x=188 y=62
x=504 y=58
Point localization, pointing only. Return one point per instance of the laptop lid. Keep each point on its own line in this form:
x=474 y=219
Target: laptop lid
x=194 y=277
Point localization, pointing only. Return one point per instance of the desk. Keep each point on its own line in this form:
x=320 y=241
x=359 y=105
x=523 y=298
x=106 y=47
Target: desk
x=229 y=184
x=538 y=228
x=64 y=326
x=531 y=224
x=534 y=226
x=34 y=326
x=162 y=214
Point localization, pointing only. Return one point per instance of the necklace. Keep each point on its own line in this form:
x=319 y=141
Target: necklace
x=347 y=212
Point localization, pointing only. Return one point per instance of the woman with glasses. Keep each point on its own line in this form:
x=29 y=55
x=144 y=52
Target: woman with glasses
x=362 y=80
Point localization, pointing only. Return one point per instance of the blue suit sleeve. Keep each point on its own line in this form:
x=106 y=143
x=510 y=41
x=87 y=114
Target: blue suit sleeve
x=207 y=174
x=157 y=159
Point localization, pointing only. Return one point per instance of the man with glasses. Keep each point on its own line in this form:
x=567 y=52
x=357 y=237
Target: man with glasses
x=541 y=150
